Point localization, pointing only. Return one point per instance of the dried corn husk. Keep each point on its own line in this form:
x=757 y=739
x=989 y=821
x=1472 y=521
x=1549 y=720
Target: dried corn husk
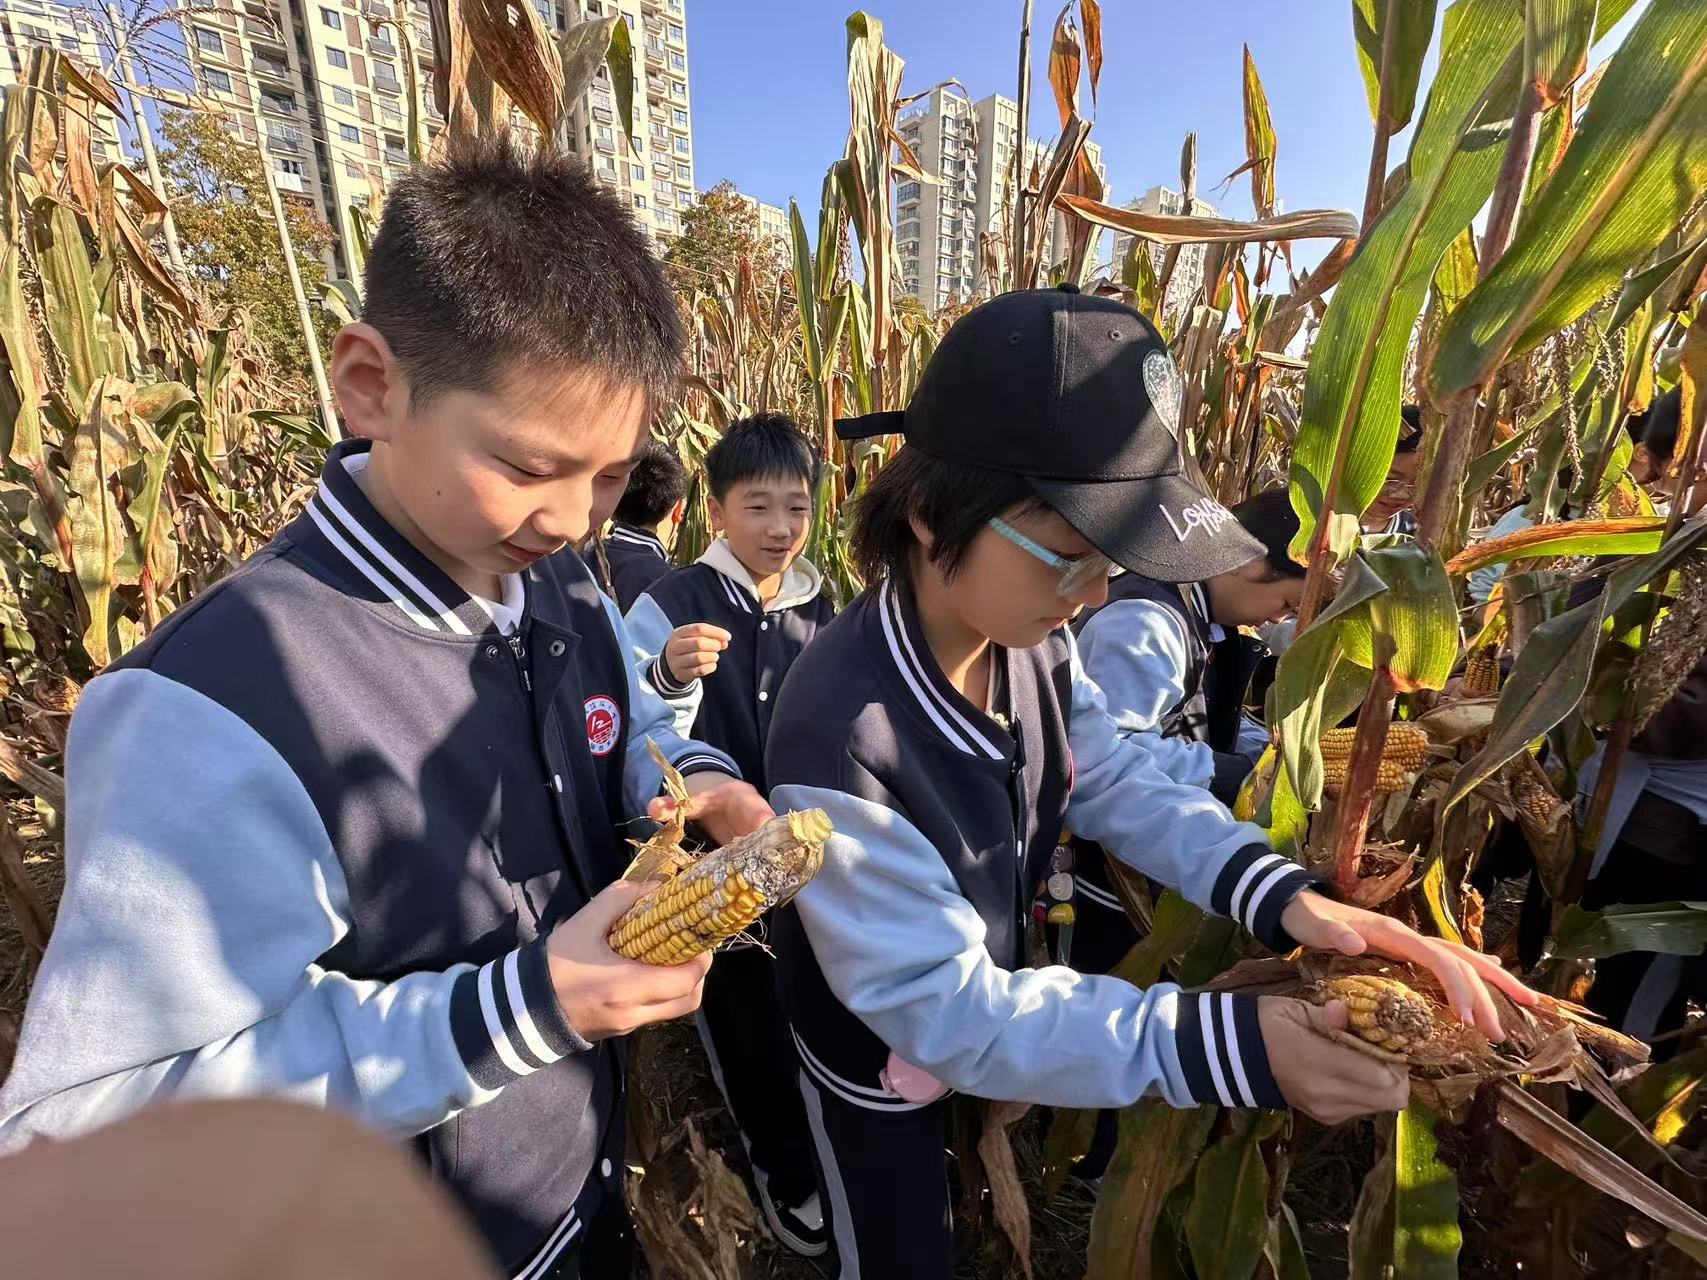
x=1677 y=645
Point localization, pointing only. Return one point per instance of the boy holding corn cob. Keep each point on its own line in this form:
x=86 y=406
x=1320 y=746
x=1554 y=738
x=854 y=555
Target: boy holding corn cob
x=344 y=830
x=945 y=724
x=718 y=637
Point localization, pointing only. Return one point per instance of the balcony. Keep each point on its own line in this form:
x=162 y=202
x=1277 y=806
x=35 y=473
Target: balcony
x=283 y=139
x=397 y=156
x=291 y=182
x=607 y=146
x=381 y=46
x=271 y=70
x=655 y=24
x=388 y=84
x=654 y=57
x=377 y=9
x=603 y=114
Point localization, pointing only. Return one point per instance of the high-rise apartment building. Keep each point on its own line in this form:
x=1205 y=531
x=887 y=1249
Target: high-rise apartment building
x=70 y=30
x=1188 y=268
x=969 y=146
x=327 y=80
x=773 y=221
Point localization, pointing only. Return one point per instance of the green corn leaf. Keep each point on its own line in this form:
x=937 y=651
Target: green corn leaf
x=1159 y=1146
x=1629 y=536
x=1633 y=170
x=74 y=318
x=1371 y=1229
x=1674 y=928
x=1415 y=31
x=1556 y=40
x=167 y=406
x=1491 y=463
x=1353 y=389
x=98 y=450
x=619 y=60
x=1227 y=1223
x=1260 y=141
x=804 y=278
x=1426 y=1236
x=1418 y=613
x=585 y=45
x=1284 y=1251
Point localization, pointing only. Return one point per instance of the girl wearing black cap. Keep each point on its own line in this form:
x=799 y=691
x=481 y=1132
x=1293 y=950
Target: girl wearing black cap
x=945 y=723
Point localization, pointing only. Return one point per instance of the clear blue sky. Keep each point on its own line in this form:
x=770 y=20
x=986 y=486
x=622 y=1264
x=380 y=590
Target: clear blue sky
x=770 y=97
x=769 y=85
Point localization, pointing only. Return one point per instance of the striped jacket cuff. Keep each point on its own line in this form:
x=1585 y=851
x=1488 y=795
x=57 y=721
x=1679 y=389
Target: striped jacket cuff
x=507 y=1021
x=661 y=680
x=1221 y=1051
x=1255 y=887
x=702 y=762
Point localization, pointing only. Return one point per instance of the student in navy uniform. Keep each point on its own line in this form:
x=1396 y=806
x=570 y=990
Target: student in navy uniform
x=718 y=637
x=345 y=828
x=650 y=511
x=945 y=723
x=1173 y=666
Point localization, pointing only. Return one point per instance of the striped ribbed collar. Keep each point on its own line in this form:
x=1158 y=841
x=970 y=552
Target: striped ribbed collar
x=965 y=726
x=634 y=536
x=384 y=559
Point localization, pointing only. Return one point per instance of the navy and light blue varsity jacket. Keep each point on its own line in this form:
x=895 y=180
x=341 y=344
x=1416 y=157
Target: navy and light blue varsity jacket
x=733 y=708
x=320 y=826
x=636 y=559
x=911 y=937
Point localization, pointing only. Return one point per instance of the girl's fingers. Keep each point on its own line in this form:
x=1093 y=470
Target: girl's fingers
x=1492 y=971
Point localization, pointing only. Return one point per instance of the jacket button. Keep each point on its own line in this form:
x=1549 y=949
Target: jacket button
x=764 y=626
x=763 y=696
x=556 y=648
x=557 y=783
x=491 y=651
x=604 y=1168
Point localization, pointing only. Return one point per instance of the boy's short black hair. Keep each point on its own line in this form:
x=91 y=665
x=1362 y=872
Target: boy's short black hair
x=501 y=254
x=1664 y=416
x=656 y=484
x=762 y=444
x=1410 y=428
x=951 y=500
x=1270 y=519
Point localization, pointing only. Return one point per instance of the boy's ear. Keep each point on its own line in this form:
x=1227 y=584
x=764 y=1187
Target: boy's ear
x=373 y=395
x=714 y=510
x=921 y=535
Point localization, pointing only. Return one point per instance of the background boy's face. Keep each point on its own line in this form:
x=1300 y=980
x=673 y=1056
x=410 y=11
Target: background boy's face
x=1004 y=592
x=766 y=520
x=1399 y=491
x=487 y=482
x=1253 y=594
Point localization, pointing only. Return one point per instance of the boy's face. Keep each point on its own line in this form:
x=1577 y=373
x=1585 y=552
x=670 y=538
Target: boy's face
x=1253 y=594
x=1399 y=491
x=766 y=520
x=1004 y=592
x=487 y=482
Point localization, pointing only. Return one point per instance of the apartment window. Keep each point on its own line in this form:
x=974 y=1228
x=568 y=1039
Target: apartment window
x=605 y=134
x=684 y=199
x=629 y=19
x=205 y=39
x=331 y=18
x=907 y=191
x=681 y=145
x=349 y=133
x=337 y=58
x=273 y=102
x=289 y=166
x=675 y=6
x=678 y=90
x=639 y=201
x=676 y=31
x=684 y=172
x=637 y=172
x=216 y=80
x=354 y=171
x=385 y=76
x=681 y=118
x=343 y=97
x=678 y=62
x=390 y=114
x=667 y=217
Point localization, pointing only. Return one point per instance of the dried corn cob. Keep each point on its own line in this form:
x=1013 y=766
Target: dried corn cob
x=724 y=891
x=1404 y=752
x=1382 y=1012
x=1482 y=672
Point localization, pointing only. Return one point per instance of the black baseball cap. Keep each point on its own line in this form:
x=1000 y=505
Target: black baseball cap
x=1078 y=395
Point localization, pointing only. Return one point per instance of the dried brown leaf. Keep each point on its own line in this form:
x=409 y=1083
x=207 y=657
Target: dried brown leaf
x=1006 y=1194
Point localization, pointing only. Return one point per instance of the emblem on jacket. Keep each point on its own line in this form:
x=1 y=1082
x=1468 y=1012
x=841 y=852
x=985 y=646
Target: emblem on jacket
x=604 y=724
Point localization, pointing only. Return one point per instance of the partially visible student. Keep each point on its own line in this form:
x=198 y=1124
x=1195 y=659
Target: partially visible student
x=645 y=523
x=945 y=723
x=1391 y=511
x=345 y=828
x=1654 y=846
x=718 y=637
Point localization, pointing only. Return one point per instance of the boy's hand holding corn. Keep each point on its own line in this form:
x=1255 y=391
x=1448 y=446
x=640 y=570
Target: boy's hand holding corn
x=693 y=649
x=604 y=995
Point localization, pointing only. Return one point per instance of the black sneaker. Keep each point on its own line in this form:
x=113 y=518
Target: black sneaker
x=800 y=1227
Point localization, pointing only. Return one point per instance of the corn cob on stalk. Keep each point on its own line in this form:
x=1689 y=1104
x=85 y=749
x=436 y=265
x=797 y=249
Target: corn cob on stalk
x=723 y=892
x=1404 y=753
x=1380 y=1012
x=1482 y=672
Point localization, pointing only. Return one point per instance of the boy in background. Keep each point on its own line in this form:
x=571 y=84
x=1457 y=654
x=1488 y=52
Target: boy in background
x=346 y=829
x=645 y=524
x=719 y=636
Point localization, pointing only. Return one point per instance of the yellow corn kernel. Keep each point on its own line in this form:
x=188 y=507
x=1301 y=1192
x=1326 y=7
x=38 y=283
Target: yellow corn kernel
x=1380 y=1011
x=723 y=892
x=1404 y=753
x=1482 y=672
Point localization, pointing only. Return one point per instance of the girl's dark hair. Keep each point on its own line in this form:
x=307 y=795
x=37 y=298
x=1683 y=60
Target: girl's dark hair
x=503 y=255
x=656 y=484
x=1270 y=519
x=1664 y=416
x=1410 y=428
x=763 y=444
x=951 y=500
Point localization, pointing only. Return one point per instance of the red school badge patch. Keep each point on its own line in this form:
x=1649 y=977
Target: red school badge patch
x=604 y=724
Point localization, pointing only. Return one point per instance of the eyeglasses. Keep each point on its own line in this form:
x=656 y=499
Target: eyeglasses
x=1076 y=573
x=1399 y=490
